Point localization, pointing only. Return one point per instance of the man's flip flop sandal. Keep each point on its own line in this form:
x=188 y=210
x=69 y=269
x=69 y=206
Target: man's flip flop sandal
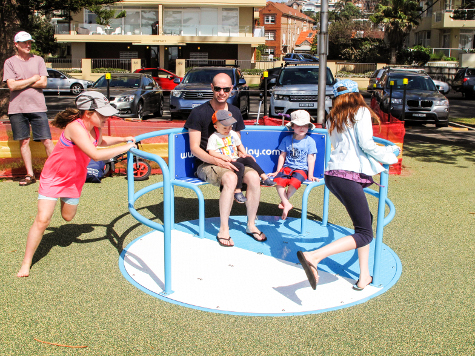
x=27 y=180
x=254 y=235
x=223 y=238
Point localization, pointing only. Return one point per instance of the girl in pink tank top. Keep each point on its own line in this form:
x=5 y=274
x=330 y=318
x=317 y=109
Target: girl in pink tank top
x=65 y=170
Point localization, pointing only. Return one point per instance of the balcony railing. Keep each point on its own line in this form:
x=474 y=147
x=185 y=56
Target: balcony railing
x=455 y=14
x=202 y=30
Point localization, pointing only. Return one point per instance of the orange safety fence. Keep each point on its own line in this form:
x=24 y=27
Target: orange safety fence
x=11 y=164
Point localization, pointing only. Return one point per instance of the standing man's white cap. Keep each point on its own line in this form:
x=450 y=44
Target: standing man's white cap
x=23 y=36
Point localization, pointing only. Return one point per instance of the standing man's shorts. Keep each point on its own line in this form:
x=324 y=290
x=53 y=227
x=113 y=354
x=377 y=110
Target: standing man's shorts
x=21 y=126
x=214 y=174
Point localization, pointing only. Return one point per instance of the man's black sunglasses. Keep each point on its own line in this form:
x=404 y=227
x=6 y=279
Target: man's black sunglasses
x=225 y=89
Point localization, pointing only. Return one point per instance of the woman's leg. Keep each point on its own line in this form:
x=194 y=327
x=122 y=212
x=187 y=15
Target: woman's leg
x=352 y=197
x=42 y=220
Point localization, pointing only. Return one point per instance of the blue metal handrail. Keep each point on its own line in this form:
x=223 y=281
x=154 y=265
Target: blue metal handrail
x=168 y=184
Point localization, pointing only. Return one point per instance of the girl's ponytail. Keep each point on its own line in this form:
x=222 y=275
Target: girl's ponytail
x=65 y=117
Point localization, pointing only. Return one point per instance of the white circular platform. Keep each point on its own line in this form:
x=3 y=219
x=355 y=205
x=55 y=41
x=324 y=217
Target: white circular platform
x=252 y=278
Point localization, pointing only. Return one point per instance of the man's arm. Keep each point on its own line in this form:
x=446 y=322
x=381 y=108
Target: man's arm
x=40 y=84
x=21 y=84
x=198 y=152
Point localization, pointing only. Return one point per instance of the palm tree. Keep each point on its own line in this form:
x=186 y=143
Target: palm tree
x=398 y=17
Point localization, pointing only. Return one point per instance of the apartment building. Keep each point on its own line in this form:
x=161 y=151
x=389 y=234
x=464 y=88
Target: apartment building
x=158 y=32
x=282 y=27
x=439 y=30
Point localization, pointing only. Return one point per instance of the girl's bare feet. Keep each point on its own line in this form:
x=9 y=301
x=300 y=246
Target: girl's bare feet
x=24 y=271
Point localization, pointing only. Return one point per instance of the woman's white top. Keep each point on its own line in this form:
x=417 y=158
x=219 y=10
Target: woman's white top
x=354 y=149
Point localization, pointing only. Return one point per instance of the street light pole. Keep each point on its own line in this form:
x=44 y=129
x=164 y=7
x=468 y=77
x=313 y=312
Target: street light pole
x=322 y=70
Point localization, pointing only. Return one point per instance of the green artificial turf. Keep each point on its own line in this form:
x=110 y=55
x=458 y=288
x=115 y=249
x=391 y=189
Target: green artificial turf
x=77 y=296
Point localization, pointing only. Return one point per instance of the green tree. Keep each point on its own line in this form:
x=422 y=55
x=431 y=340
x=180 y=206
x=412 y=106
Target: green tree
x=398 y=17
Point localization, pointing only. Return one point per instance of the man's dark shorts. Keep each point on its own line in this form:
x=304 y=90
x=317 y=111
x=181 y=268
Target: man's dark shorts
x=21 y=126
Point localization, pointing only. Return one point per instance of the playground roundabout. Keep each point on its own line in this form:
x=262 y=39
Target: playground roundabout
x=182 y=263
x=252 y=278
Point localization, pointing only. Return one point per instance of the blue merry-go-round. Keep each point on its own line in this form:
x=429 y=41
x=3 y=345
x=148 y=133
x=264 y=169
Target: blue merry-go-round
x=182 y=263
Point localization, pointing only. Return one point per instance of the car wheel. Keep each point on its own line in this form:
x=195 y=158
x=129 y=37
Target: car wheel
x=159 y=112
x=139 y=110
x=76 y=89
x=175 y=116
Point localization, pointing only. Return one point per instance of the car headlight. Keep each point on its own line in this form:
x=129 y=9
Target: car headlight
x=176 y=93
x=281 y=97
x=443 y=102
x=126 y=98
x=396 y=101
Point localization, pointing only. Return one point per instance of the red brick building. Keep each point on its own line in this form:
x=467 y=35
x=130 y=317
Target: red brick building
x=282 y=26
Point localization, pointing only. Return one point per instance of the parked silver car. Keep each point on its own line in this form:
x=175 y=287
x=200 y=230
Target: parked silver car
x=134 y=94
x=62 y=82
x=297 y=88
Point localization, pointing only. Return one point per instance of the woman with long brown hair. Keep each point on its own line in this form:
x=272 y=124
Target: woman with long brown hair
x=353 y=161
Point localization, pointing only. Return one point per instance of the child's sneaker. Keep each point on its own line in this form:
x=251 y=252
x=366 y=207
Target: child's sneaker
x=240 y=198
x=268 y=183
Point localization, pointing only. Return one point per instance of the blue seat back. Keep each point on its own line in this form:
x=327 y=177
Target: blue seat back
x=260 y=144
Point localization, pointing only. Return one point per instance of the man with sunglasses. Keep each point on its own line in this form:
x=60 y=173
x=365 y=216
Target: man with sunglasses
x=217 y=171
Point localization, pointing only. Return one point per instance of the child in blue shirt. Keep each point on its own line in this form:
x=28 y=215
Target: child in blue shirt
x=296 y=161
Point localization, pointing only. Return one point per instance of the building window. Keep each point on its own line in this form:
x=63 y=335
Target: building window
x=270 y=35
x=211 y=21
x=269 y=50
x=466 y=39
x=269 y=19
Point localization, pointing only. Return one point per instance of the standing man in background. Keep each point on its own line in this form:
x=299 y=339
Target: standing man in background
x=25 y=75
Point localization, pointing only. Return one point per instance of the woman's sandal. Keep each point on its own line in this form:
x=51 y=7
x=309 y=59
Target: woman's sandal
x=355 y=286
x=307 y=267
x=27 y=180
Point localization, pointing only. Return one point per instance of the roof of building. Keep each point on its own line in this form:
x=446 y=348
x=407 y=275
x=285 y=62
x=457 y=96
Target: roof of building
x=304 y=36
x=289 y=11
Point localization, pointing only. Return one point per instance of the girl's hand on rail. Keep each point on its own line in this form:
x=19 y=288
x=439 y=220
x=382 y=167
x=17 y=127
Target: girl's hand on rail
x=313 y=179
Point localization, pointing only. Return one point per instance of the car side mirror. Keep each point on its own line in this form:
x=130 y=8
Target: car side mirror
x=63 y=77
x=176 y=80
x=242 y=81
x=272 y=81
x=148 y=87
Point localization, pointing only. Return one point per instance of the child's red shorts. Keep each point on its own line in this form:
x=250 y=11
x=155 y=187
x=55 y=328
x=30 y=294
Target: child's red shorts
x=288 y=176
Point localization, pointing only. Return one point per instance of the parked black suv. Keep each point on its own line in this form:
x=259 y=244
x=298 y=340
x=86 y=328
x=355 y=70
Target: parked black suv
x=424 y=103
x=464 y=82
x=195 y=89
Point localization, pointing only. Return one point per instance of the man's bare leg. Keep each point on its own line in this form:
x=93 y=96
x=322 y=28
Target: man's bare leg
x=226 y=198
x=26 y=155
x=49 y=146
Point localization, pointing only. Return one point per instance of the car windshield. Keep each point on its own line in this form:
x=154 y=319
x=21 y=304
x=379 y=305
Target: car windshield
x=204 y=76
x=301 y=75
x=414 y=83
x=118 y=81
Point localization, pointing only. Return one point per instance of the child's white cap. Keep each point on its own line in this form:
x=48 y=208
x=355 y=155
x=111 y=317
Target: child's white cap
x=300 y=118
